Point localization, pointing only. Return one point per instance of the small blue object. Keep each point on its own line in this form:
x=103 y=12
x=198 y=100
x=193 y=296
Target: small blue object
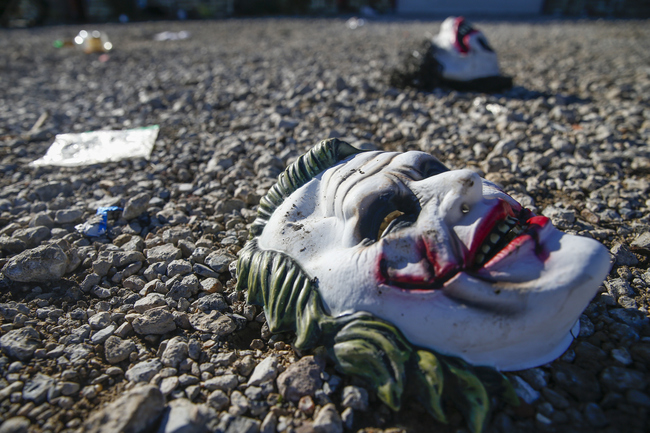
x=107 y=209
x=97 y=225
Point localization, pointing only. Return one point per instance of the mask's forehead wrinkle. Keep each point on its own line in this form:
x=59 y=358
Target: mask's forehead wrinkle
x=352 y=173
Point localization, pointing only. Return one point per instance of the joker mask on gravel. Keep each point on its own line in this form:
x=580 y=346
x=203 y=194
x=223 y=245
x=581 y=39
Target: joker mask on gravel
x=397 y=239
x=459 y=56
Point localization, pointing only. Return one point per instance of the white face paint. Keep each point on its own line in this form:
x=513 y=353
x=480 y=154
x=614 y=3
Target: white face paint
x=461 y=268
x=464 y=52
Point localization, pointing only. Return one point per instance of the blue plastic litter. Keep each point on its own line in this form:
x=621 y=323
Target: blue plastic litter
x=98 y=224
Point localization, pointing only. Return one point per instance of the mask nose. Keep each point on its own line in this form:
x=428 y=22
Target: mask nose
x=445 y=199
x=450 y=195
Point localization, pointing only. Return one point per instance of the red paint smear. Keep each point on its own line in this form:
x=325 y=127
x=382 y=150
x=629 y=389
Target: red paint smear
x=536 y=224
x=464 y=47
x=379 y=269
x=496 y=215
x=445 y=269
x=515 y=244
x=539 y=221
x=441 y=267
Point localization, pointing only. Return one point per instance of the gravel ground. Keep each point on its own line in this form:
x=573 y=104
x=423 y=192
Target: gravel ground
x=145 y=319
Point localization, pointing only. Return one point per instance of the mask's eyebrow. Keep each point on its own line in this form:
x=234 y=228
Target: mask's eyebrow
x=351 y=175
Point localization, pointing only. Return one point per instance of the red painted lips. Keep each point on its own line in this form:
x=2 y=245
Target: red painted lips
x=431 y=273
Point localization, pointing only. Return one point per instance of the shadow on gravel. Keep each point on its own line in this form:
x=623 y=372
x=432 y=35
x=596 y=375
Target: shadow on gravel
x=521 y=93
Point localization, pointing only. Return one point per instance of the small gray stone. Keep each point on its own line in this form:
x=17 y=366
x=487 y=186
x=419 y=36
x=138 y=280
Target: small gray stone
x=355 y=397
x=136 y=411
x=213 y=301
x=32 y=236
x=192 y=391
x=172 y=217
x=620 y=379
x=226 y=382
x=586 y=327
x=10 y=389
x=300 y=378
x=101 y=292
x=117 y=350
x=595 y=416
x=78 y=351
x=624 y=256
x=633 y=318
x=99 y=320
x=90 y=281
x=328 y=420
x=18 y=424
x=577 y=382
x=175 y=352
x=163 y=253
x=637 y=398
x=155 y=321
x=194 y=349
x=41 y=264
x=238 y=403
x=178 y=267
x=123 y=258
x=168 y=384
x=187 y=379
x=69 y=388
x=13 y=245
x=536 y=377
x=183 y=416
x=102 y=265
x=348 y=418
x=265 y=370
x=41 y=219
x=124 y=330
x=199 y=255
x=20 y=343
x=219 y=261
x=622 y=356
x=185 y=288
x=556 y=399
x=36 y=388
x=50 y=190
x=269 y=424
x=77 y=335
x=143 y=371
x=214 y=323
x=204 y=271
x=224 y=359
x=242 y=424
x=136 y=205
x=102 y=335
x=560 y=217
x=642 y=242
x=618 y=287
x=523 y=390
x=152 y=300
x=68 y=216
x=218 y=400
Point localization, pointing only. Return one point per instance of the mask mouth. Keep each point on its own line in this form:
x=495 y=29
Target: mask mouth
x=503 y=233
x=505 y=236
x=463 y=32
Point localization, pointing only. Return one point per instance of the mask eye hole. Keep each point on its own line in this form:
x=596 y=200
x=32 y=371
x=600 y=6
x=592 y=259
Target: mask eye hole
x=484 y=43
x=387 y=220
x=431 y=167
x=464 y=208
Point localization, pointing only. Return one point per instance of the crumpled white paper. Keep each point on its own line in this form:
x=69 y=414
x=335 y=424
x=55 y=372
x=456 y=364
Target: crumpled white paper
x=86 y=148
